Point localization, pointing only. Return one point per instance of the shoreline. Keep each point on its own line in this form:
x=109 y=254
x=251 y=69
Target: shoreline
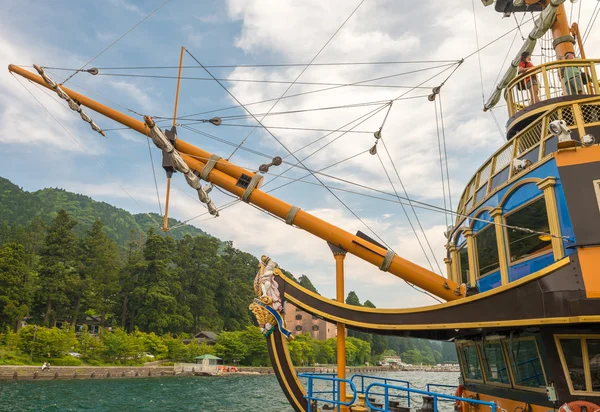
x=28 y=373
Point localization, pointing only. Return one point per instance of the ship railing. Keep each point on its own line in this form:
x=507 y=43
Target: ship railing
x=442 y=387
x=434 y=396
x=363 y=381
x=531 y=145
x=333 y=396
x=551 y=80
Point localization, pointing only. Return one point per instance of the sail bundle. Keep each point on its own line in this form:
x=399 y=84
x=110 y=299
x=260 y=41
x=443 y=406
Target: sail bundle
x=541 y=25
x=73 y=105
x=162 y=142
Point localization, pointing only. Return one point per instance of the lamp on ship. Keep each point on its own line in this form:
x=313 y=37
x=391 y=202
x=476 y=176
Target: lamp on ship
x=560 y=130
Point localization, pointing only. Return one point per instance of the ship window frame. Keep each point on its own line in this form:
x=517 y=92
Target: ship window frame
x=463 y=367
x=504 y=357
x=542 y=197
x=478 y=273
x=459 y=274
x=512 y=371
x=582 y=337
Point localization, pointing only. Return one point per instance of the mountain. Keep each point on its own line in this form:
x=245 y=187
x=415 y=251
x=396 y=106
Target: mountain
x=19 y=207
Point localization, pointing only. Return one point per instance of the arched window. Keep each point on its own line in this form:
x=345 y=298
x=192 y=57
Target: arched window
x=486 y=246
x=463 y=258
x=315 y=327
x=298 y=317
x=298 y=328
x=522 y=244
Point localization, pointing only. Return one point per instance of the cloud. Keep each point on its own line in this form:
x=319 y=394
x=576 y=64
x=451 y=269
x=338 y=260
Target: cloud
x=130 y=7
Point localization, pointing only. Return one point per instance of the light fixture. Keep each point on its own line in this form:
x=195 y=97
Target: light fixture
x=588 y=140
x=517 y=3
x=545 y=238
x=487 y=2
x=559 y=129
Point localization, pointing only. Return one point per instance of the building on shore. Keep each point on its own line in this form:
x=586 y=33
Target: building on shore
x=300 y=322
x=210 y=338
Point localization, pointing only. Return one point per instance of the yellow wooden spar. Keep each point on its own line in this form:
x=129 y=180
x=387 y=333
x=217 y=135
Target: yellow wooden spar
x=226 y=175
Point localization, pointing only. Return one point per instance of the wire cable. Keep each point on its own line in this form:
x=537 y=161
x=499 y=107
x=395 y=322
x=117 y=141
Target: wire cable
x=154 y=176
x=116 y=41
x=83 y=148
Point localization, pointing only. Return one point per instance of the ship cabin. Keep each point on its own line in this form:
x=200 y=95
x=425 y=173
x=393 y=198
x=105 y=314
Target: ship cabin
x=533 y=206
x=520 y=185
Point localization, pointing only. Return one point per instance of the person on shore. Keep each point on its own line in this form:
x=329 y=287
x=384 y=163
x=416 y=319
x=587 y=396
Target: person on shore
x=530 y=83
x=45 y=367
x=572 y=77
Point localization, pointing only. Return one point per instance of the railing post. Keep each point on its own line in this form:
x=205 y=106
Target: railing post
x=385 y=398
x=546 y=83
x=594 y=77
x=408 y=393
x=435 y=402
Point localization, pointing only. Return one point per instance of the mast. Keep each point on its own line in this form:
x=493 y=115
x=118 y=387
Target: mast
x=563 y=41
x=238 y=181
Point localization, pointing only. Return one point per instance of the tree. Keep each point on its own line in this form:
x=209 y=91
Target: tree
x=352 y=299
x=305 y=282
x=58 y=264
x=17 y=285
x=98 y=274
x=412 y=357
x=229 y=346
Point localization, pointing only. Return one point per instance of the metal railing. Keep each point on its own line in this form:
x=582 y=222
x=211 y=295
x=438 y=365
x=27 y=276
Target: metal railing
x=531 y=145
x=550 y=80
x=439 y=385
x=360 y=388
x=434 y=395
x=313 y=395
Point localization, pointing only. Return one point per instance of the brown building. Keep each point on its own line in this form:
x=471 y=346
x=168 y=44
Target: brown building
x=298 y=322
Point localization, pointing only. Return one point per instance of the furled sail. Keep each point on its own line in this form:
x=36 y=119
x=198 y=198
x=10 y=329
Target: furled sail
x=543 y=22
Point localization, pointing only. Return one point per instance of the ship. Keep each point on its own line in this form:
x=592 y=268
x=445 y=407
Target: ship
x=522 y=284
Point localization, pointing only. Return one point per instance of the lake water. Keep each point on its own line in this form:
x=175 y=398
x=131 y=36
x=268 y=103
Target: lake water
x=225 y=393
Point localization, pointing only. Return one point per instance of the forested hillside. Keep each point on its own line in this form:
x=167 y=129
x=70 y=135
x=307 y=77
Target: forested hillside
x=19 y=208
x=65 y=256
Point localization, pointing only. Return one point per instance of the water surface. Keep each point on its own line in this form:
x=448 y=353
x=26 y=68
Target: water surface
x=224 y=393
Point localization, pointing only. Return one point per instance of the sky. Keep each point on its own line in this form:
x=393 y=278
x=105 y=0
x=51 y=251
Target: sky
x=44 y=144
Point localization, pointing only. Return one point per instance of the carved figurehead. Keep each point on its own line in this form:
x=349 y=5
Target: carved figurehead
x=265 y=285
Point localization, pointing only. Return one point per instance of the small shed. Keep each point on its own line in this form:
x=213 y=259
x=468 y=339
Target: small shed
x=208 y=361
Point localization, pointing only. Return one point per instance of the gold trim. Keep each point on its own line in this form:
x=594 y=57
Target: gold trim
x=526 y=279
x=547 y=185
x=505 y=229
x=472 y=255
x=582 y=338
x=443 y=326
x=514 y=188
x=496 y=213
x=596 y=184
x=509 y=181
x=285 y=382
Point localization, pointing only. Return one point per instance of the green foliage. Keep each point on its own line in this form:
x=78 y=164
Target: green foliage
x=305 y=282
x=42 y=343
x=18 y=284
x=352 y=299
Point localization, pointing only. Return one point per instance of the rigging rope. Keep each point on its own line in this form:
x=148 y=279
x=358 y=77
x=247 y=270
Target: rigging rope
x=437 y=126
x=82 y=147
x=154 y=175
x=115 y=42
x=296 y=79
x=148 y=76
x=233 y=66
x=445 y=151
x=478 y=52
x=315 y=91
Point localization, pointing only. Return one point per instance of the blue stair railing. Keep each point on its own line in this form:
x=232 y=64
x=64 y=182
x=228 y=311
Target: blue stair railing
x=313 y=395
x=386 y=389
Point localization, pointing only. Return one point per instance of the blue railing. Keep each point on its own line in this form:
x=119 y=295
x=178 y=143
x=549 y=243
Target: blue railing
x=335 y=392
x=439 y=385
x=386 y=389
x=360 y=388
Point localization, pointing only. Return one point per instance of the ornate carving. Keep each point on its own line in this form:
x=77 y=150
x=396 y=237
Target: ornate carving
x=268 y=308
